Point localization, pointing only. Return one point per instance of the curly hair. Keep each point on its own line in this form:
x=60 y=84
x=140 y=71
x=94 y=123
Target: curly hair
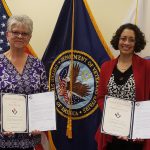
x=140 y=41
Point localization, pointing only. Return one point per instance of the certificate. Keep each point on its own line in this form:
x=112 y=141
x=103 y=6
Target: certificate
x=126 y=118
x=14 y=113
x=25 y=113
x=141 y=124
x=42 y=113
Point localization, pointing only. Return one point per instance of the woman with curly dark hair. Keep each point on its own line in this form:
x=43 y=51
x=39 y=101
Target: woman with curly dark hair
x=126 y=77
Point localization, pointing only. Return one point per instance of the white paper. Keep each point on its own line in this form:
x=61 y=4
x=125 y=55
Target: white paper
x=42 y=114
x=141 y=126
x=22 y=113
x=14 y=113
x=116 y=117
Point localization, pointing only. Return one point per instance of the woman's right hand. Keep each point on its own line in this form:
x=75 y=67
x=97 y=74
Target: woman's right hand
x=8 y=133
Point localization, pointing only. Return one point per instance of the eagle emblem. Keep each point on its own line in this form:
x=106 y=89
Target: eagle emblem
x=75 y=84
x=79 y=89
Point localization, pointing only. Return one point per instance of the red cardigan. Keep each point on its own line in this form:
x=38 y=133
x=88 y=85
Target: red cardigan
x=141 y=73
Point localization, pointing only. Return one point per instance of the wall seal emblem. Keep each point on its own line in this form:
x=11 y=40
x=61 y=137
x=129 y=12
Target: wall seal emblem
x=84 y=80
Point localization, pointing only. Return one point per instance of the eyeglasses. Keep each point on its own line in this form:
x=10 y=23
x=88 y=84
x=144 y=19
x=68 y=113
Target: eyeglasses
x=16 y=34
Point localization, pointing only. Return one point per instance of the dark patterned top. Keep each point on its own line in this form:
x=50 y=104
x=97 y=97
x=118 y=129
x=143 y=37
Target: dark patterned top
x=32 y=80
x=122 y=85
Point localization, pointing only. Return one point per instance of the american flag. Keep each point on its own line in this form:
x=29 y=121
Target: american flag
x=4 y=45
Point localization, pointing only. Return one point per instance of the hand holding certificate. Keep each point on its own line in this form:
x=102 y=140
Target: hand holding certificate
x=126 y=118
x=26 y=113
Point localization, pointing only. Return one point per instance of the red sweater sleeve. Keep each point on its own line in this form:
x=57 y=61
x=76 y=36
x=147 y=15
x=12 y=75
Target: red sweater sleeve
x=102 y=86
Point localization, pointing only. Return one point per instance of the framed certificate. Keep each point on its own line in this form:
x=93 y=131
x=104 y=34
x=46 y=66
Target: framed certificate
x=14 y=113
x=25 y=113
x=126 y=118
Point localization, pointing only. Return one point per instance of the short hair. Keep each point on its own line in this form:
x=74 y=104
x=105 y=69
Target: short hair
x=140 y=41
x=23 y=19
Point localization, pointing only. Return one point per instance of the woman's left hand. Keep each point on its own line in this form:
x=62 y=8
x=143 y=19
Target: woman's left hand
x=138 y=140
x=134 y=140
x=36 y=132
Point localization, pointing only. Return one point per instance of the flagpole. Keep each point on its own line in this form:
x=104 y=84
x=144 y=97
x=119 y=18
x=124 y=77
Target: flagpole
x=6 y=8
x=136 y=13
x=69 y=121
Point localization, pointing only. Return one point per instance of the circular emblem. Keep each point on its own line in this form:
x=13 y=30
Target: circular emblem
x=75 y=84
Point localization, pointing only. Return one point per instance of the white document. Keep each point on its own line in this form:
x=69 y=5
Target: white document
x=22 y=113
x=14 y=114
x=117 y=116
x=141 y=124
x=42 y=114
x=126 y=118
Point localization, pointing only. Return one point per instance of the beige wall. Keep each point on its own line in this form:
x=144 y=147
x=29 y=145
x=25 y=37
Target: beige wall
x=109 y=14
x=44 y=14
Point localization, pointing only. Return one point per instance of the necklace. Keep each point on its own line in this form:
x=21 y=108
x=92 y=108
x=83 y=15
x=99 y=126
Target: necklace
x=122 y=69
x=123 y=66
